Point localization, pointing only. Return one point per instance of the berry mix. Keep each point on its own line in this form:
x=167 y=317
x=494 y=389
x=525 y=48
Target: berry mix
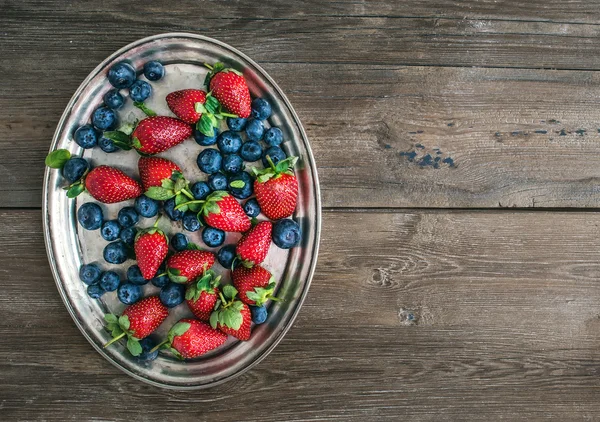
x=230 y=199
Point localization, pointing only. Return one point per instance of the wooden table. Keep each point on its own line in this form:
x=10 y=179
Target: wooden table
x=458 y=145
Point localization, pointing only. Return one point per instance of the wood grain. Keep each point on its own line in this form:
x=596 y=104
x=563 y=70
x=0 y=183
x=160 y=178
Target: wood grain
x=452 y=316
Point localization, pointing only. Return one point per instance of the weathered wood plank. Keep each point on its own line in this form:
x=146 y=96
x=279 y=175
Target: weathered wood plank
x=452 y=316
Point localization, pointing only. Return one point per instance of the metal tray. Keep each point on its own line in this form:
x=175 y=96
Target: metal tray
x=68 y=246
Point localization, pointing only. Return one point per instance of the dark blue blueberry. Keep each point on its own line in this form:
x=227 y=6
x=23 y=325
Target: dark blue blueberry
x=115 y=252
x=286 y=233
x=160 y=281
x=202 y=139
x=110 y=281
x=146 y=207
x=276 y=154
x=110 y=230
x=236 y=124
x=86 y=136
x=140 y=91
x=89 y=273
x=172 y=294
x=259 y=314
x=244 y=191
x=172 y=213
x=213 y=237
x=200 y=190
x=74 y=169
x=229 y=142
x=255 y=130
x=209 y=161
x=113 y=99
x=179 y=241
x=128 y=235
x=273 y=136
x=95 y=291
x=233 y=164
x=251 y=151
x=154 y=70
x=104 y=118
x=190 y=222
x=121 y=75
x=251 y=207
x=107 y=145
x=90 y=216
x=134 y=275
x=261 y=109
x=226 y=255
x=129 y=293
x=147 y=345
x=128 y=217
x=217 y=181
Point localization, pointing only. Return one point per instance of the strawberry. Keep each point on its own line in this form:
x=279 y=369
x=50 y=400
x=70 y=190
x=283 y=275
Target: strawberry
x=221 y=211
x=254 y=245
x=255 y=285
x=137 y=322
x=230 y=88
x=276 y=189
x=109 y=185
x=232 y=316
x=188 y=265
x=201 y=296
x=183 y=104
x=154 y=170
x=190 y=338
x=151 y=249
x=159 y=133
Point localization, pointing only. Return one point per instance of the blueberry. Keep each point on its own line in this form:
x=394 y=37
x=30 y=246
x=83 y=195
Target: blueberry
x=134 y=275
x=160 y=281
x=86 y=136
x=213 y=237
x=110 y=230
x=172 y=213
x=233 y=164
x=202 y=139
x=113 y=99
x=104 y=118
x=255 y=130
x=273 y=136
x=244 y=191
x=190 y=222
x=140 y=91
x=286 y=233
x=236 y=124
x=121 y=75
x=261 y=109
x=147 y=345
x=229 y=142
x=128 y=235
x=276 y=154
x=217 y=181
x=172 y=294
x=226 y=255
x=200 y=190
x=251 y=151
x=95 y=291
x=146 y=207
x=107 y=145
x=251 y=207
x=129 y=293
x=259 y=314
x=74 y=169
x=179 y=241
x=110 y=281
x=154 y=70
x=115 y=252
x=89 y=273
x=209 y=161
x=90 y=216
x=128 y=217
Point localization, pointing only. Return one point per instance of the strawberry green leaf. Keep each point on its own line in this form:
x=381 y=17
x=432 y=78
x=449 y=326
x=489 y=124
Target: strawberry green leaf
x=175 y=277
x=57 y=159
x=75 y=190
x=168 y=184
x=180 y=199
x=116 y=331
x=134 y=346
x=175 y=353
x=205 y=125
x=239 y=184
x=213 y=120
x=128 y=128
x=124 y=322
x=212 y=208
x=195 y=207
x=135 y=142
x=190 y=292
x=232 y=318
x=214 y=319
x=148 y=112
x=265 y=177
x=253 y=296
x=159 y=193
x=217 y=304
x=110 y=318
x=199 y=108
x=211 y=104
x=193 y=247
x=180 y=184
x=229 y=291
x=180 y=328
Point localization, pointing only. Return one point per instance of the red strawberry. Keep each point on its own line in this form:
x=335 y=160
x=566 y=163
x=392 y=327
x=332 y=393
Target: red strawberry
x=188 y=265
x=276 y=189
x=190 y=338
x=109 y=185
x=137 y=322
x=153 y=170
x=230 y=88
x=159 y=133
x=232 y=316
x=222 y=211
x=201 y=296
x=151 y=249
x=254 y=245
x=183 y=104
x=255 y=285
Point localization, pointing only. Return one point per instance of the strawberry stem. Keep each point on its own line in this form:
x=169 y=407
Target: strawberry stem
x=208 y=66
x=119 y=337
x=198 y=201
x=158 y=346
x=235 y=116
x=188 y=194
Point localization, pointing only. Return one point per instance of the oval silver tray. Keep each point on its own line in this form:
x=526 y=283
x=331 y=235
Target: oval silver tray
x=69 y=246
